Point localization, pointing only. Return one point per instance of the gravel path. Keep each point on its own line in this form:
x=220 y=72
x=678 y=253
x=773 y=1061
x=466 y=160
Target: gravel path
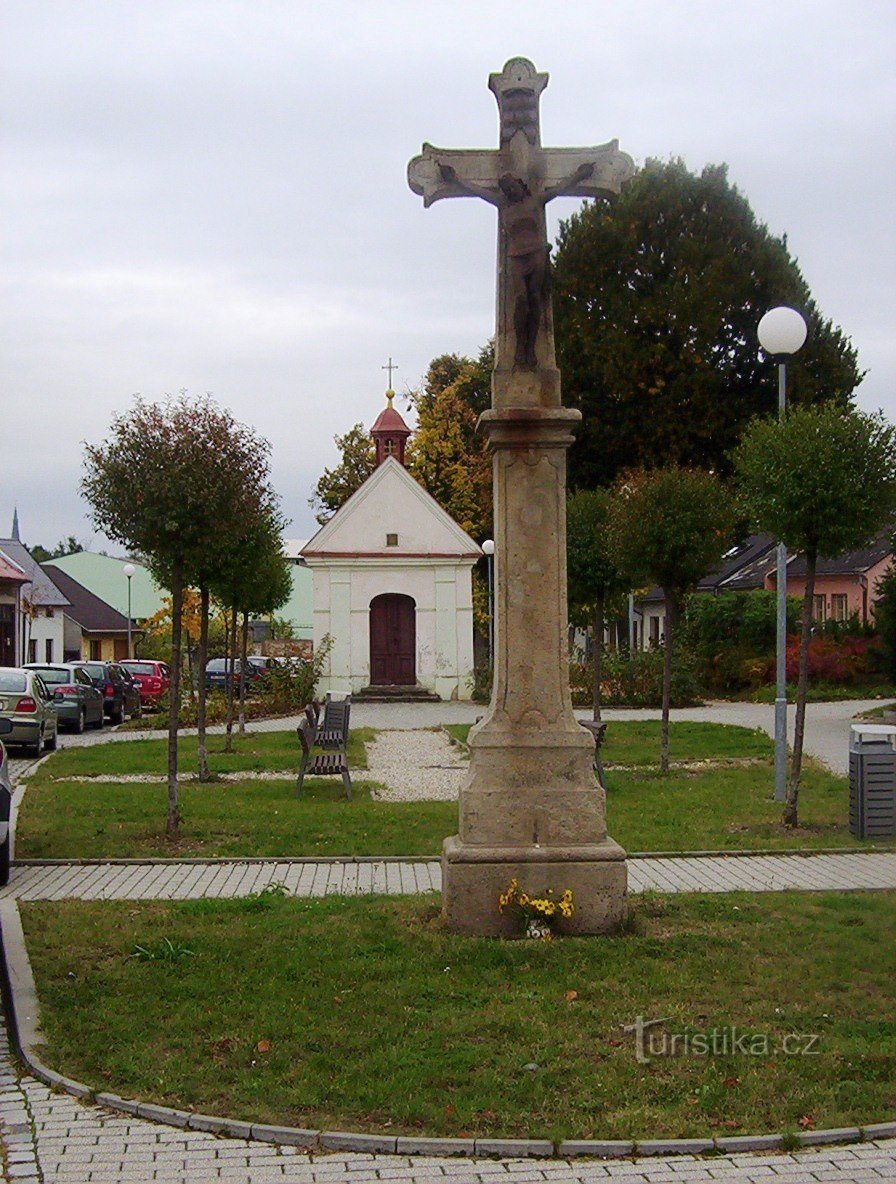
x=419 y=766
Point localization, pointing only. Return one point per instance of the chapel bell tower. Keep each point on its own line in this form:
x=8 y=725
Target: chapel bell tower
x=390 y=433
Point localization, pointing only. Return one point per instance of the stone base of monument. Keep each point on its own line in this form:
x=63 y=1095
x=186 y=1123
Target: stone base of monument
x=473 y=879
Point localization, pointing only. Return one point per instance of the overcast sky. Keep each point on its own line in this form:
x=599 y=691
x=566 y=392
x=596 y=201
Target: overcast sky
x=211 y=195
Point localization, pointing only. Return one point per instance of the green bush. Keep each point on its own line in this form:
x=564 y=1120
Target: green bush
x=636 y=680
x=732 y=637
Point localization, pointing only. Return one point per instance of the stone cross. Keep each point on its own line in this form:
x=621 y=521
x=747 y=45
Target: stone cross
x=530 y=809
x=520 y=178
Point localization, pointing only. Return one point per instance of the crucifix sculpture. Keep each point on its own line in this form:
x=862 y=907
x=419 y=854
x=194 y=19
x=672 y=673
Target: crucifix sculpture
x=531 y=809
x=520 y=178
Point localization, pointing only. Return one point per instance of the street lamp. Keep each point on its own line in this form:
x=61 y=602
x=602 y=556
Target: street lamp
x=129 y=570
x=488 y=549
x=782 y=332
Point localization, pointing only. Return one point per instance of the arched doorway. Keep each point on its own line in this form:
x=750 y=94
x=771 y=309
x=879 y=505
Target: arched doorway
x=393 y=640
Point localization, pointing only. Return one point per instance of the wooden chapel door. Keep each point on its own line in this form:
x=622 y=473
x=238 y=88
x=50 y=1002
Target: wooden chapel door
x=393 y=640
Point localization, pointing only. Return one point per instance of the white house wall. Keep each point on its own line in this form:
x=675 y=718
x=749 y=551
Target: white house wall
x=42 y=629
x=442 y=593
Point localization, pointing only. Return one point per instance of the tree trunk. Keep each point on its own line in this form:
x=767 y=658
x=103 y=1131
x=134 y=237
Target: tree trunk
x=671 y=608
x=172 y=827
x=191 y=681
x=231 y=657
x=244 y=648
x=202 y=659
x=596 y=657
x=791 y=811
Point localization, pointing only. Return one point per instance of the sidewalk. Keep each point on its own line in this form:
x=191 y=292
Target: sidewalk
x=189 y=880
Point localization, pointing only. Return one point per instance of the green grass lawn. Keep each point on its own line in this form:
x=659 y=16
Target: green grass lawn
x=74 y=819
x=729 y=807
x=637 y=742
x=718 y=809
x=366 y=1014
x=253 y=752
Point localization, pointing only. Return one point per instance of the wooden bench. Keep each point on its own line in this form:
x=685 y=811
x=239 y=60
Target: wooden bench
x=599 y=732
x=332 y=731
x=318 y=762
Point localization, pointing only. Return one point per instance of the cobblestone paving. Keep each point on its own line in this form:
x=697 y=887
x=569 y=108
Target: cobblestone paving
x=55 y=1138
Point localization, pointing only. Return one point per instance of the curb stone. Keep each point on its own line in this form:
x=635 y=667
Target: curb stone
x=413 y=1145
x=609 y=1149
x=847 y=1134
x=25 y=1033
x=163 y=1114
x=213 y=1125
x=290 y=1135
x=514 y=1148
x=749 y=1142
x=879 y=1130
x=674 y=1146
x=348 y=1141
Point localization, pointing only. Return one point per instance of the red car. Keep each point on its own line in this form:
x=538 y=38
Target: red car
x=153 y=679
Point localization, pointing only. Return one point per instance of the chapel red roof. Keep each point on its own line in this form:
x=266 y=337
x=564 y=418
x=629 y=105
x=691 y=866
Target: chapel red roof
x=389 y=420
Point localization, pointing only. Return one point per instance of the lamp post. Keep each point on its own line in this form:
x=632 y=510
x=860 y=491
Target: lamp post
x=782 y=332
x=129 y=570
x=488 y=549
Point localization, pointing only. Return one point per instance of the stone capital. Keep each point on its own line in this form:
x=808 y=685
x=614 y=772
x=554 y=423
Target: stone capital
x=529 y=427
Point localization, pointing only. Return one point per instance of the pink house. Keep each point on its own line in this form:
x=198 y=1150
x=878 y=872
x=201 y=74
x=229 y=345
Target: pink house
x=844 y=585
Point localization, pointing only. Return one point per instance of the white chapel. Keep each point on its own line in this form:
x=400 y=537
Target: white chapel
x=392 y=584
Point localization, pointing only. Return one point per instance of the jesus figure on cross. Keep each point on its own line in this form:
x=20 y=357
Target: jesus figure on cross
x=520 y=178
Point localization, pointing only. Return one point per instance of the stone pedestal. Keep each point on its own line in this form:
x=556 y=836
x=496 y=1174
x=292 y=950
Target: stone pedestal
x=531 y=809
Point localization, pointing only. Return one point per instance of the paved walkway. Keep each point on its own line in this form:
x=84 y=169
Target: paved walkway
x=182 y=880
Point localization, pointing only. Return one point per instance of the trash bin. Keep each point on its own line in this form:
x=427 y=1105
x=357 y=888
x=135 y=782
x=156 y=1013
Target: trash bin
x=872 y=781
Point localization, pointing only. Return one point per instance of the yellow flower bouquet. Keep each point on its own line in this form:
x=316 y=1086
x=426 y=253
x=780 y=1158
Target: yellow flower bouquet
x=537 y=915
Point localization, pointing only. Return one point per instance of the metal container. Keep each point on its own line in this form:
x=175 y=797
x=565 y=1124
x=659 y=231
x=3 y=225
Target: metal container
x=872 y=781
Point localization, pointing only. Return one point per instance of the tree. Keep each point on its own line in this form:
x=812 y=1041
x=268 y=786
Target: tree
x=67 y=546
x=445 y=454
x=172 y=511
x=885 y=620
x=822 y=482
x=257 y=580
x=337 y=485
x=668 y=526
x=657 y=296
x=592 y=576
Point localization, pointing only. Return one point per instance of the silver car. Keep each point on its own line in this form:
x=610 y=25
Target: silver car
x=26 y=702
x=5 y=805
x=79 y=704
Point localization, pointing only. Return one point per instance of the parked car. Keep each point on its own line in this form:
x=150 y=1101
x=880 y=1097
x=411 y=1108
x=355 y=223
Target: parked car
x=121 y=696
x=78 y=702
x=153 y=678
x=262 y=663
x=25 y=700
x=5 y=805
x=133 y=700
x=218 y=670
